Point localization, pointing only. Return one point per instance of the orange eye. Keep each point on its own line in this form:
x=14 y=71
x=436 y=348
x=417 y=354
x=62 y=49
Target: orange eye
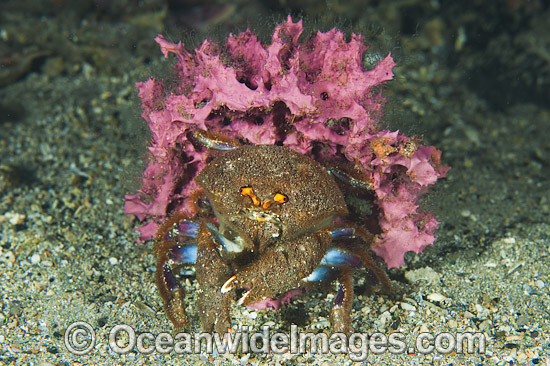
x=247 y=191
x=280 y=198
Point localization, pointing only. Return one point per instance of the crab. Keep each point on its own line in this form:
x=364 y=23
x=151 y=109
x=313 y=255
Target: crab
x=271 y=224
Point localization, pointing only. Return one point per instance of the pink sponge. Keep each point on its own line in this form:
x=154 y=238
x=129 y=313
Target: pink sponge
x=314 y=97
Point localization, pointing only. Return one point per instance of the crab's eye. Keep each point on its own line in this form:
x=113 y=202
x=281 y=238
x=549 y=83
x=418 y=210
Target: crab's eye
x=280 y=198
x=248 y=191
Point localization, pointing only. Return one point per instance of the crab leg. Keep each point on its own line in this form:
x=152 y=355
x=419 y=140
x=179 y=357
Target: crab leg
x=338 y=265
x=340 y=262
x=172 y=294
x=330 y=266
x=173 y=252
x=167 y=283
x=350 y=254
x=215 y=141
x=340 y=312
x=352 y=178
x=211 y=271
x=361 y=251
x=182 y=242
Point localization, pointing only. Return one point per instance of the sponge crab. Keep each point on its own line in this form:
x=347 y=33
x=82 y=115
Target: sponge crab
x=317 y=95
x=272 y=223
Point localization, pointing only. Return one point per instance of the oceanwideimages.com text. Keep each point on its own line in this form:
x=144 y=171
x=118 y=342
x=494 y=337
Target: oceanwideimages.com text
x=80 y=339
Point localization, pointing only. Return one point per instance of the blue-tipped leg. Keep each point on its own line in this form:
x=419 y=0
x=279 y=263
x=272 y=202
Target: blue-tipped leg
x=344 y=233
x=183 y=254
x=321 y=274
x=338 y=258
x=328 y=269
x=184 y=232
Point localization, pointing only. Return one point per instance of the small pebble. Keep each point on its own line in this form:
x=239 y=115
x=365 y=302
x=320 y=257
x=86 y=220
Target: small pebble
x=8 y=258
x=35 y=259
x=384 y=319
x=113 y=261
x=244 y=359
x=422 y=274
x=321 y=323
x=512 y=356
x=15 y=218
x=522 y=357
x=482 y=312
x=528 y=290
x=485 y=325
x=407 y=307
x=16 y=309
x=540 y=284
x=435 y=297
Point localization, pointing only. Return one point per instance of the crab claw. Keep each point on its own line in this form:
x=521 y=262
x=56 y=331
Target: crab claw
x=227 y=285
x=243 y=298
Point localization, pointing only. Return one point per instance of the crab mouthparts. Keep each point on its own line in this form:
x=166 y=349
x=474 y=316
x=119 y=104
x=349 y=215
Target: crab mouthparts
x=270 y=221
